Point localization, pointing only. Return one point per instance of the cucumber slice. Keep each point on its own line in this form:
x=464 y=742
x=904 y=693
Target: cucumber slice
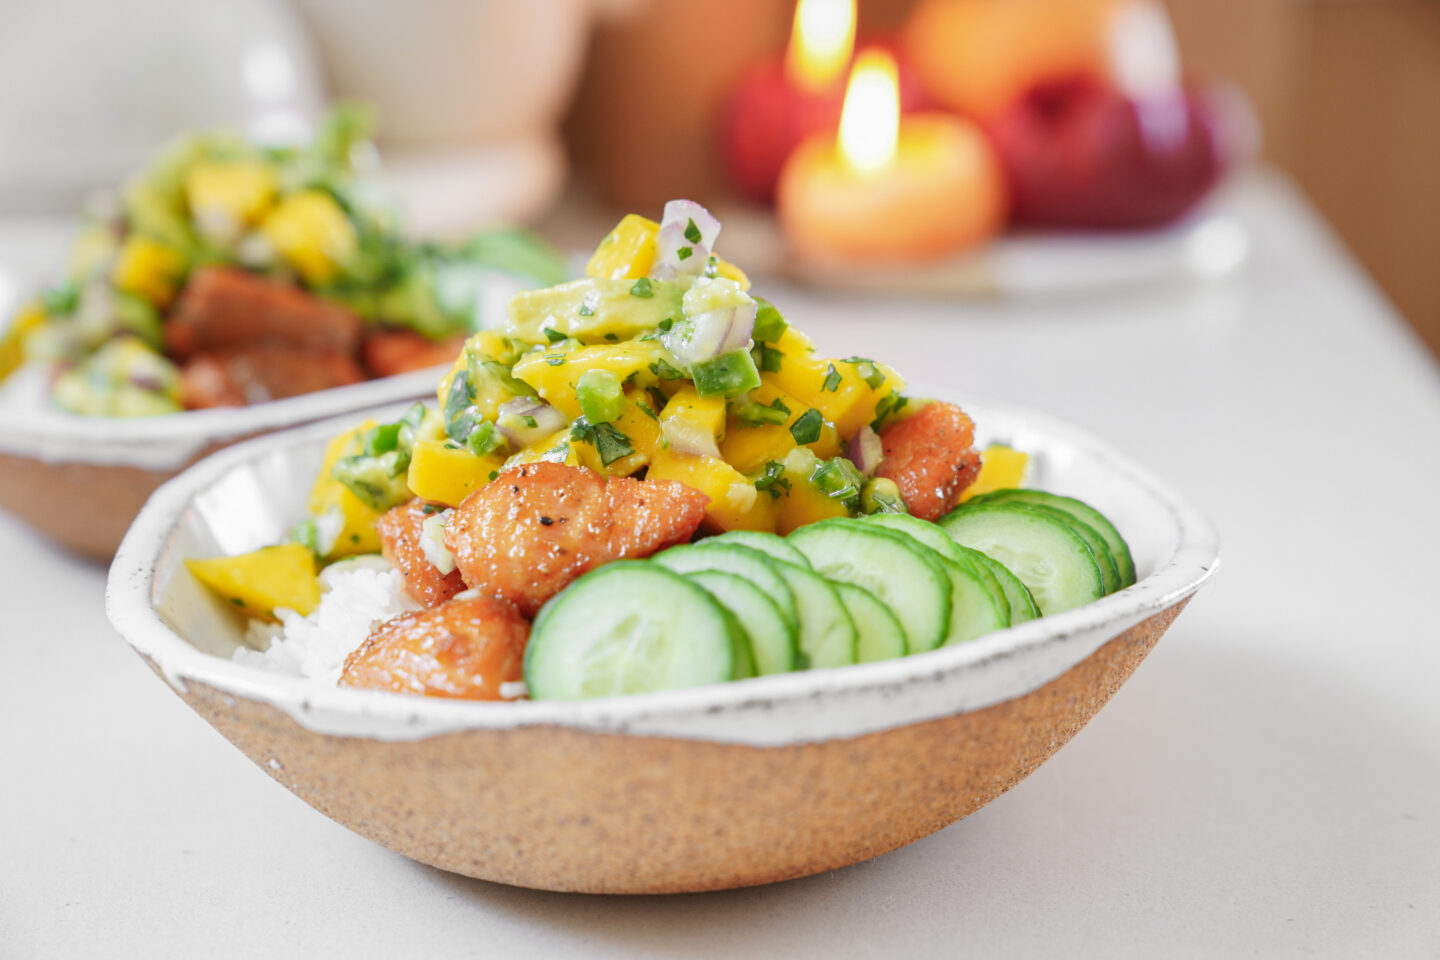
x=907 y=576
x=827 y=636
x=1049 y=557
x=880 y=635
x=992 y=582
x=629 y=627
x=1082 y=511
x=1022 y=605
x=767 y=543
x=1109 y=573
x=744 y=562
x=978 y=604
x=772 y=639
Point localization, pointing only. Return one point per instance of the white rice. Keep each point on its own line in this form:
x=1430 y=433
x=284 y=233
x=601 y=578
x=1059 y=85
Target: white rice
x=356 y=594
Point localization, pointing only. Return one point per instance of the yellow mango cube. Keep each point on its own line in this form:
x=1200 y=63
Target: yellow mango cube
x=261 y=582
x=310 y=231
x=554 y=375
x=734 y=504
x=239 y=190
x=804 y=504
x=627 y=252
x=357 y=531
x=445 y=474
x=12 y=343
x=690 y=420
x=639 y=423
x=731 y=272
x=835 y=388
x=793 y=343
x=748 y=449
x=149 y=269
x=1000 y=469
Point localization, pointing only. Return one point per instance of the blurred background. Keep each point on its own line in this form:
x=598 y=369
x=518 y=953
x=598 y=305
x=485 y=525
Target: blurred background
x=1111 y=121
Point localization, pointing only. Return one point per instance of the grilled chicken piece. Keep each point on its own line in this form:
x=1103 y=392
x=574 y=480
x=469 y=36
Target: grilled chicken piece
x=388 y=352
x=224 y=308
x=931 y=457
x=400 y=531
x=465 y=648
x=236 y=378
x=538 y=527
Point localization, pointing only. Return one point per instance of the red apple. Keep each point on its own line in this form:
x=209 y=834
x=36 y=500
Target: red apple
x=1081 y=154
x=768 y=116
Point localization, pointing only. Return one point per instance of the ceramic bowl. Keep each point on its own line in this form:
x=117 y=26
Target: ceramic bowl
x=702 y=789
x=81 y=480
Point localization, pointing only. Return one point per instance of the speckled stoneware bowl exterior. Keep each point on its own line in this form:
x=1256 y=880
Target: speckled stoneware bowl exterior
x=81 y=480
x=703 y=789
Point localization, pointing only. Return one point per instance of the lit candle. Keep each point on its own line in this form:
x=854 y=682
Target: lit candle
x=890 y=188
x=779 y=103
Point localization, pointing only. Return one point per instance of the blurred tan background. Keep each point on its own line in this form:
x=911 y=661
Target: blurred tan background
x=1347 y=92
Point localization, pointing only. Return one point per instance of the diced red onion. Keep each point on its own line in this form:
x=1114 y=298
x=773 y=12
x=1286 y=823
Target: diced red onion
x=671 y=238
x=865 y=450
x=708 y=335
x=432 y=542
x=547 y=420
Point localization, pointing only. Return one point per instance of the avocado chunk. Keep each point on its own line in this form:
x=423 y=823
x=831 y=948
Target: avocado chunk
x=593 y=310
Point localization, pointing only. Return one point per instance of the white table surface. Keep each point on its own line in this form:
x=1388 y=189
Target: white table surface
x=1267 y=784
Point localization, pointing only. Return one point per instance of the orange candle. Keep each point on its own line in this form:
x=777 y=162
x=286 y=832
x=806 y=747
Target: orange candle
x=890 y=189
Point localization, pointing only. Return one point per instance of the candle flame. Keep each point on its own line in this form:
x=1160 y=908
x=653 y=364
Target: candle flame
x=821 y=42
x=870 y=119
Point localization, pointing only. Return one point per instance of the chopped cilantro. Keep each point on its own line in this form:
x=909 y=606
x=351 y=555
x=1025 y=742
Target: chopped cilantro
x=553 y=335
x=555 y=361
x=832 y=380
x=867 y=370
x=692 y=232
x=608 y=442
x=889 y=405
x=611 y=337
x=657 y=396
x=773 y=479
x=684 y=253
x=642 y=288
x=807 y=428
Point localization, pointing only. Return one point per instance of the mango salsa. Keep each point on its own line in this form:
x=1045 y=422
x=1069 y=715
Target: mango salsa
x=735 y=504
x=627 y=252
x=149 y=269
x=447 y=474
x=330 y=498
x=12 y=341
x=238 y=191
x=261 y=582
x=554 y=374
x=310 y=231
x=1000 y=469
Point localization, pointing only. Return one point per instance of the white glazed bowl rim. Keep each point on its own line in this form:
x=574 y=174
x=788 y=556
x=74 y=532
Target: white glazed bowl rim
x=168 y=442
x=764 y=711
